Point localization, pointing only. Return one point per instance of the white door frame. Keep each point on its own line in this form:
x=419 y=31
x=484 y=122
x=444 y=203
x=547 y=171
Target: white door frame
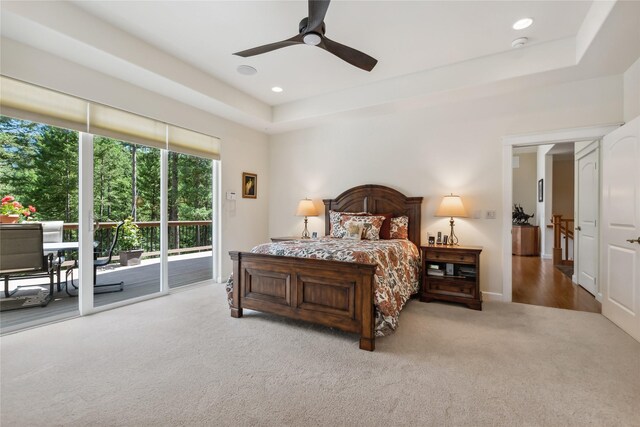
x=85 y=231
x=590 y=133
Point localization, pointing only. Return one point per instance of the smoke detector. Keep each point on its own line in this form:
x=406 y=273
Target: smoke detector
x=519 y=42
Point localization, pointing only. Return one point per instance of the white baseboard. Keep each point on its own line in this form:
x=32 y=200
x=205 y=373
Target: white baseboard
x=545 y=256
x=574 y=279
x=491 y=296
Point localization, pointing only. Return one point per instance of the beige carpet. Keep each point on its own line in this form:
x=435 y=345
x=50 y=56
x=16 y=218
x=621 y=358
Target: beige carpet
x=182 y=360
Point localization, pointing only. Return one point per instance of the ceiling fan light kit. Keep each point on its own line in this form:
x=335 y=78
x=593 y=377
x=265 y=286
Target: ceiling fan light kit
x=311 y=32
x=312 y=39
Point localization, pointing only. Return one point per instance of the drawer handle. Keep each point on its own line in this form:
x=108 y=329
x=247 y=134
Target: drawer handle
x=461 y=258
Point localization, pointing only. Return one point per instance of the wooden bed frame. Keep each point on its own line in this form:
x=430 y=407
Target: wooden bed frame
x=332 y=293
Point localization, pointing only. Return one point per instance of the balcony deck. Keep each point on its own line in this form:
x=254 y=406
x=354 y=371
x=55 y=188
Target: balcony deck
x=143 y=279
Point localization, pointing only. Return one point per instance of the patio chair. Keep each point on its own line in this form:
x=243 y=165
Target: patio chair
x=22 y=256
x=101 y=262
x=52 y=232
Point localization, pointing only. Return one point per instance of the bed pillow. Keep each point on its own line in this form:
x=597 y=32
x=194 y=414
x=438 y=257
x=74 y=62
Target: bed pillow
x=354 y=230
x=335 y=226
x=372 y=224
x=399 y=228
x=385 y=230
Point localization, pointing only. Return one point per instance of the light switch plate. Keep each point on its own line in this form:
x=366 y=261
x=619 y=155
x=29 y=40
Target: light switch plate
x=231 y=195
x=491 y=215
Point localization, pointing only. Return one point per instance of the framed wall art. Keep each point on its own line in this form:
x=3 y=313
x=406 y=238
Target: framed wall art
x=249 y=185
x=540 y=190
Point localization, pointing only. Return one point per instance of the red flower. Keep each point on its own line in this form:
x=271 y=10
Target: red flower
x=6 y=199
x=26 y=212
x=17 y=205
x=32 y=208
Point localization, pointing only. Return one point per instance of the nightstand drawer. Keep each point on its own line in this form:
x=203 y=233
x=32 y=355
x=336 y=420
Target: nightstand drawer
x=452 y=287
x=442 y=256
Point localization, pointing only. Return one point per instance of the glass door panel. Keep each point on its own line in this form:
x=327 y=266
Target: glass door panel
x=190 y=219
x=39 y=184
x=126 y=195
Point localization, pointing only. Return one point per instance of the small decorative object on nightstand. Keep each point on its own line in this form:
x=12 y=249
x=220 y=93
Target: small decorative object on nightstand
x=451 y=273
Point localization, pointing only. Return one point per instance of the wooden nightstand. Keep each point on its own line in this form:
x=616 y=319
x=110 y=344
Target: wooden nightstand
x=451 y=273
x=284 y=239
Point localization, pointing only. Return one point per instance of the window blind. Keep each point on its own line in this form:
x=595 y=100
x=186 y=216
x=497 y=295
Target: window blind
x=29 y=102
x=118 y=124
x=194 y=143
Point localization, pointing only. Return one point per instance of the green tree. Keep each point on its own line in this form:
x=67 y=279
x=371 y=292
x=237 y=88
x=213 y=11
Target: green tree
x=18 y=139
x=111 y=179
x=54 y=188
x=148 y=171
x=194 y=188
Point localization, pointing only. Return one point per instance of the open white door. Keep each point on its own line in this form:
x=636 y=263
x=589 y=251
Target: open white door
x=586 y=231
x=621 y=227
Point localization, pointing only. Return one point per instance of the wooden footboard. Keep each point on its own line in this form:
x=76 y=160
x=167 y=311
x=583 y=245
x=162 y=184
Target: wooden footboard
x=332 y=293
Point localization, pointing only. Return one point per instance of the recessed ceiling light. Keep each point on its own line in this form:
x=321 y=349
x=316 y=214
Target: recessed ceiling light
x=277 y=89
x=246 y=70
x=518 y=43
x=523 y=23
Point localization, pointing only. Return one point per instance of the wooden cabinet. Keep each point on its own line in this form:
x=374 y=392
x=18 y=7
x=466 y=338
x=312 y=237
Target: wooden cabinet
x=451 y=273
x=525 y=240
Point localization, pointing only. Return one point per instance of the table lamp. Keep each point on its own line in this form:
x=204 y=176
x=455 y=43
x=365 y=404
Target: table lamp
x=306 y=209
x=452 y=206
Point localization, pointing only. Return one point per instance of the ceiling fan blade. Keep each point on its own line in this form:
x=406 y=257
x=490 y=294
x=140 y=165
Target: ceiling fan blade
x=351 y=55
x=317 y=12
x=272 y=46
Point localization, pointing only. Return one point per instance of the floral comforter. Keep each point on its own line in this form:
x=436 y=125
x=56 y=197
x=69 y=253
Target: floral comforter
x=396 y=279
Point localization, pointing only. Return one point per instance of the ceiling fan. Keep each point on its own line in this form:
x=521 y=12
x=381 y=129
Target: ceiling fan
x=311 y=32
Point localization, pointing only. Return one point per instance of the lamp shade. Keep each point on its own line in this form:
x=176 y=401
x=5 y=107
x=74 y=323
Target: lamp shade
x=451 y=206
x=306 y=208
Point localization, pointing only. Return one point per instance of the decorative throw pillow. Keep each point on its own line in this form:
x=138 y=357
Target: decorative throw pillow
x=354 y=230
x=385 y=230
x=372 y=224
x=400 y=227
x=336 y=228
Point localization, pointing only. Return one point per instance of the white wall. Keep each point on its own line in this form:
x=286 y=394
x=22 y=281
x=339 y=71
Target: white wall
x=430 y=152
x=244 y=222
x=545 y=172
x=563 y=187
x=632 y=92
x=525 y=184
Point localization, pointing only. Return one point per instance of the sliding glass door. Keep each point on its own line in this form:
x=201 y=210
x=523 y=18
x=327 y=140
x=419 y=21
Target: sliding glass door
x=126 y=212
x=39 y=184
x=190 y=219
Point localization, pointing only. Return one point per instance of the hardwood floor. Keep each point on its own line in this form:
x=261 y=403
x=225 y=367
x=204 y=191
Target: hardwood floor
x=537 y=282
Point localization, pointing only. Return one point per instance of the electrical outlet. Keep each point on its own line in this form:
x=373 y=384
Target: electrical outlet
x=491 y=215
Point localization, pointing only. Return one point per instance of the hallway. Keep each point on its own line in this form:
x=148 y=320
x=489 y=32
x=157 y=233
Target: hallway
x=537 y=282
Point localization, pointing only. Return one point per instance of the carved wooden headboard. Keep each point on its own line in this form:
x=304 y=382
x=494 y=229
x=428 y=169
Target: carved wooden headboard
x=377 y=199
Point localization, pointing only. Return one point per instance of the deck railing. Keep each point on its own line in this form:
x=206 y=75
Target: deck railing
x=184 y=236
